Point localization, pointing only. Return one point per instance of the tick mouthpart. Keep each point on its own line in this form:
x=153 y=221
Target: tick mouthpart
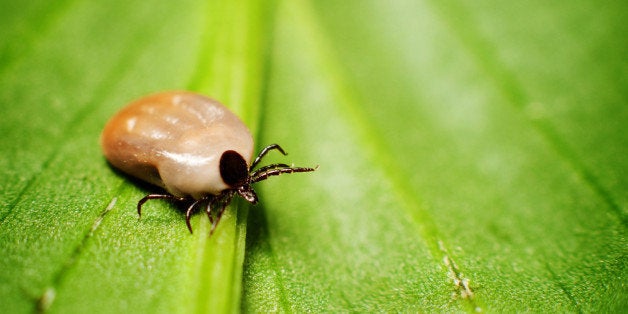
x=248 y=194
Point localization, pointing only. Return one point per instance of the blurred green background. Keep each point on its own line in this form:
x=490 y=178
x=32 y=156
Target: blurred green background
x=473 y=156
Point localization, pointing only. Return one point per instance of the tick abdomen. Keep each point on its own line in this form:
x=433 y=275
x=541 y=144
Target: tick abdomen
x=175 y=140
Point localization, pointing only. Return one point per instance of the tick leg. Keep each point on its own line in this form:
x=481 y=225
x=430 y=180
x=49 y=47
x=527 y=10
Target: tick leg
x=224 y=201
x=188 y=214
x=208 y=208
x=273 y=166
x=275 y=172
x=264 y=152
x=155 y=196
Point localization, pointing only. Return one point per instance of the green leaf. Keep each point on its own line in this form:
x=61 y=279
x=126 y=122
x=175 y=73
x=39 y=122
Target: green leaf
x=70 y=234
x=472 y=156
x=454 y=174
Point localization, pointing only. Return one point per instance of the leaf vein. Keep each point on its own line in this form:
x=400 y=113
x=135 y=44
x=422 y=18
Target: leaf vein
x=566 y=291
x=44 y=302
x=372 y=141
x=486 y=57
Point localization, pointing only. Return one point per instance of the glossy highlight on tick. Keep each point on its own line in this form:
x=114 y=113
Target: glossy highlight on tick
x=193 y=147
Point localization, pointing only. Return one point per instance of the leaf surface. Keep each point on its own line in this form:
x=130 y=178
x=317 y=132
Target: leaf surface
x=472 y=156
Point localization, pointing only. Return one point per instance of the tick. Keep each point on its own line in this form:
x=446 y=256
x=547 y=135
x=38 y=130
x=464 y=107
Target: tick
x=193 y=147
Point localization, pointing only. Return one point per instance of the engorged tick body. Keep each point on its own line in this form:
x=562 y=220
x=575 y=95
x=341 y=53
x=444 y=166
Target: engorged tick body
x=190 y=145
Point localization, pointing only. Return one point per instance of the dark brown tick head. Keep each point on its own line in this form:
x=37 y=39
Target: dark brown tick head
x=235 y=172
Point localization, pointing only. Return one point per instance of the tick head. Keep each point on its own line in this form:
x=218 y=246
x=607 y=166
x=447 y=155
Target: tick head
x=235 y=172
x=247 y=193
x=233 y=169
